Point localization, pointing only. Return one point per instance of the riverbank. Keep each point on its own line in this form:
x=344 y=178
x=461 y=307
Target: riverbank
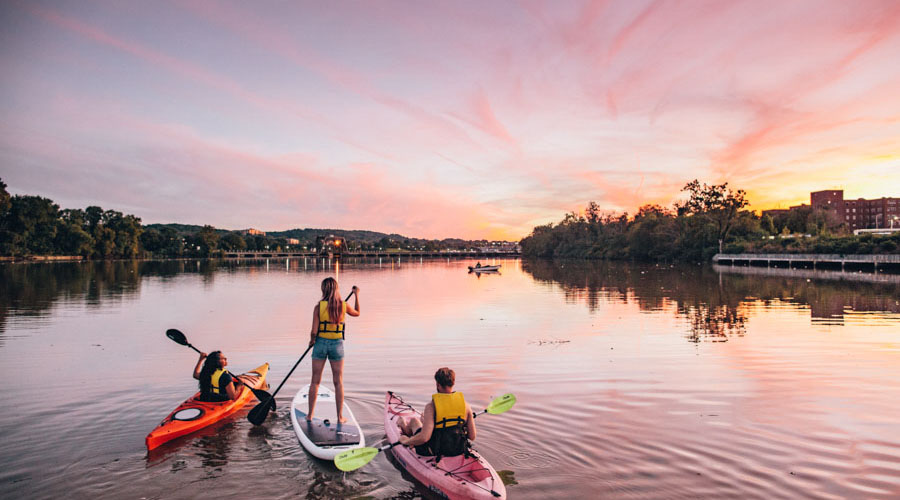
x=42 y=258
x=867 y=262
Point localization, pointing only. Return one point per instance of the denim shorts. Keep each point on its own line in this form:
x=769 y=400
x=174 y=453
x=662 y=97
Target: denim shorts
x=332 y=349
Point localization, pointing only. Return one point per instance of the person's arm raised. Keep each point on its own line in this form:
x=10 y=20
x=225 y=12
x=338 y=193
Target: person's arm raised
x=354 y=311
x=199 y=367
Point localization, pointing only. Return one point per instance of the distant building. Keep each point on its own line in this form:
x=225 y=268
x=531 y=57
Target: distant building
x=856 y=214
x=859 y=213
x=251 y=231
x=292 y=241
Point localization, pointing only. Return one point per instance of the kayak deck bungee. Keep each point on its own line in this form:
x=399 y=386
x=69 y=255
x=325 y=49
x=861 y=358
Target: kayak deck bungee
x=467 y=476
x=193 y=414
x=324 y=437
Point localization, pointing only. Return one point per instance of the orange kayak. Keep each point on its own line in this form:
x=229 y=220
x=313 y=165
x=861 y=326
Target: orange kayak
x=193 y=414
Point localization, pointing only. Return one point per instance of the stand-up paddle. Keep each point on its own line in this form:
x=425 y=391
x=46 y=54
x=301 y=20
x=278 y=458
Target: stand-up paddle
x=259 y=412
x=354 y=459
x=179 y=338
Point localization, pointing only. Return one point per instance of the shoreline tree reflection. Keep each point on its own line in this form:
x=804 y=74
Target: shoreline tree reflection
x=715 y=306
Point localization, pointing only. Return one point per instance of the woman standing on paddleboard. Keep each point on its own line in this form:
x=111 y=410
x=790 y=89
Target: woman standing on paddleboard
x=327 y=337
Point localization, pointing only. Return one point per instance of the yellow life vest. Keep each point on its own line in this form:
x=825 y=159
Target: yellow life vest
x=214 y=383
x=328 y=330
x=449 y=409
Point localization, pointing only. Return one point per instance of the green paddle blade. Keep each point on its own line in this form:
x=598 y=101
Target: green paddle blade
x=355 y=458
x=501 y=404
x=177 y=336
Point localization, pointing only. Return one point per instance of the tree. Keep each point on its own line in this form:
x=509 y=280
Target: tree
x=208 y=240
x=5 y=202
x=127 y=229
x=233 y=241
x=71 y=238
x=717 y=202
x=30 y=226
x=152 y=241
x=768 y=225
x=6 y=237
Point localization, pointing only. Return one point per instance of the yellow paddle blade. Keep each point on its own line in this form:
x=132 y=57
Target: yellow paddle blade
x=501 y=404
x=355 y=458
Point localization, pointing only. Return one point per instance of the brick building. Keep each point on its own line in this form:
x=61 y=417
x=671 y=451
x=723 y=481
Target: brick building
x=856 y=214
x=859 y=213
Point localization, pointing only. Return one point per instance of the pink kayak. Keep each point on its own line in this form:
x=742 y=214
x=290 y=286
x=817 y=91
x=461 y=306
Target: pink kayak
x=463 y=477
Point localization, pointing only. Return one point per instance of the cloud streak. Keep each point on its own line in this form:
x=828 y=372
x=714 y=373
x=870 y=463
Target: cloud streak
x=451 y=120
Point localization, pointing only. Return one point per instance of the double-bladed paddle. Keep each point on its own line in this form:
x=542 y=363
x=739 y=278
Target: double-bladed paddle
x=259 y=412
x=357 y=457
x=179 y=338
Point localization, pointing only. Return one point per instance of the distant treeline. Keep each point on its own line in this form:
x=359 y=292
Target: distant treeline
x=712 y=220
x=33 y=225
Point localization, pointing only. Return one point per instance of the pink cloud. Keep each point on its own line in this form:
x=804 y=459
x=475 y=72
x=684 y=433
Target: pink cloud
x=395 y=114
x=483 y=118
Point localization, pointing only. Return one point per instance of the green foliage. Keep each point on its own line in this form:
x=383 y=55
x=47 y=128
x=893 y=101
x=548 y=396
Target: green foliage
x=712 y=220
x=29 y=226
x=5 y=202
x=233 y=241
x=717 y=203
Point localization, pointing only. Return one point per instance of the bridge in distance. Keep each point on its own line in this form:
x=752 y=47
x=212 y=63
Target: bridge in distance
x=369 y=253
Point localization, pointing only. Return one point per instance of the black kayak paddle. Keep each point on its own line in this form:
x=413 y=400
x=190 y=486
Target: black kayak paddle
x=179 y=338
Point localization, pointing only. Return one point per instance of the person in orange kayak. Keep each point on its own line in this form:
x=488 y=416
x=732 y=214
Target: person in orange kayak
x=327 y=338
x=216 y=384
x=447 y=424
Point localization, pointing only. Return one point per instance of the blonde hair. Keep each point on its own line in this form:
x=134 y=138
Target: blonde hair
x=335 y=304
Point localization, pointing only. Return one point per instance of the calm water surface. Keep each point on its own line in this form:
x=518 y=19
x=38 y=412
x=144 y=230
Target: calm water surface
x=633 y=381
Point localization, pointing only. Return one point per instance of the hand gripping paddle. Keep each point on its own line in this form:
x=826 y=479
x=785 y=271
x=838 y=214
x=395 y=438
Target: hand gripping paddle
x=179 y=338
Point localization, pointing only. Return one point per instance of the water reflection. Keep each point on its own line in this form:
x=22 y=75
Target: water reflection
x=30 y=289
x=708 y=419
x=716 y=304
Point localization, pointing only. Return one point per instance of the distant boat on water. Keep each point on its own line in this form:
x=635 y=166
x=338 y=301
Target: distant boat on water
x=483 y=269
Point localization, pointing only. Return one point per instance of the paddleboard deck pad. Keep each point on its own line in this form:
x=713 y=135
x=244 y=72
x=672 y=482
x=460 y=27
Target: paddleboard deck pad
x=324 y=437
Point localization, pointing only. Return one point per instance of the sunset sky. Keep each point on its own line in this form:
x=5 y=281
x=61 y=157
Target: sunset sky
x=442 y=119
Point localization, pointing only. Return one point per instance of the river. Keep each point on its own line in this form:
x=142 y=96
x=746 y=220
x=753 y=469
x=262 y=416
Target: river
x=633 y=381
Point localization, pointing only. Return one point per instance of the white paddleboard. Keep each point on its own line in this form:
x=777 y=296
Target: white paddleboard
x=324 y=437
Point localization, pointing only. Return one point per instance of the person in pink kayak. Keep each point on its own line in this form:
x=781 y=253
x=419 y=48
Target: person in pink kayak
x=216 y=384
x=447 y=424
x=327 y=338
